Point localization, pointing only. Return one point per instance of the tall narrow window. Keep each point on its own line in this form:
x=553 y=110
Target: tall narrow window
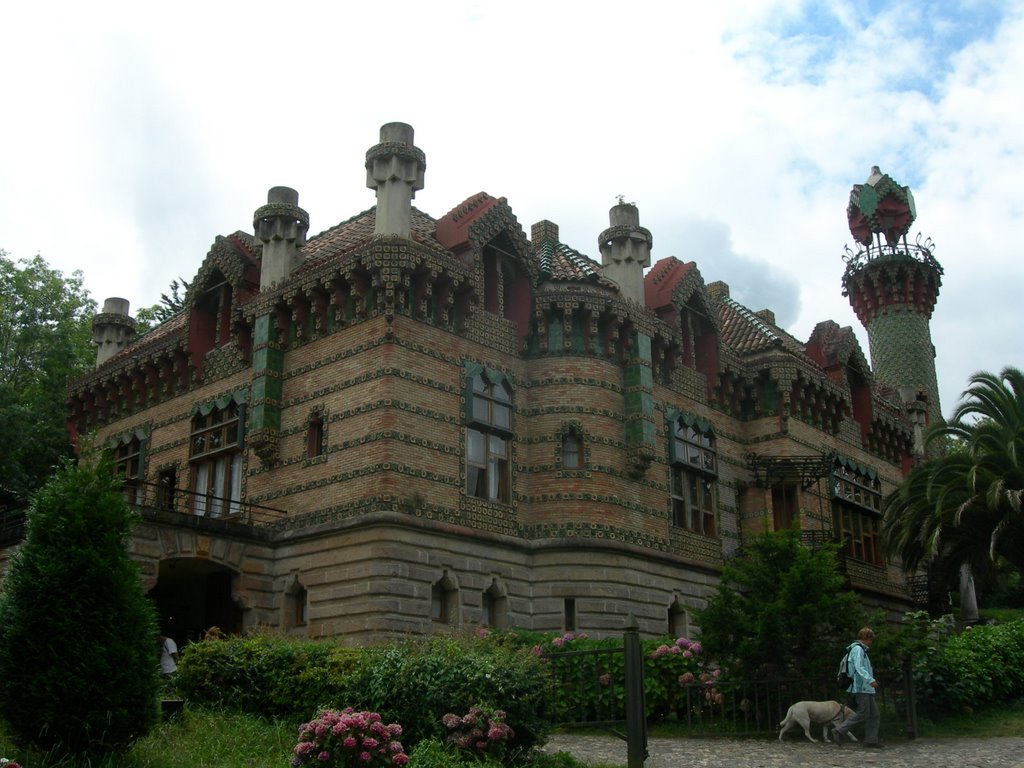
x=444 y=601
x=129 y=459
x=216 y=460
x=166 y=485
x=785 y=504
x=315 y=436
x=694 y=470
x=569 y=614
x=678 y=622
x=572 y=449
x=856 y=498
x=488 y=440
x=493 y=607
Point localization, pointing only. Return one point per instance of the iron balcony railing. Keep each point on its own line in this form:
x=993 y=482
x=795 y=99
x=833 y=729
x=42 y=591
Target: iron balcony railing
x=158 y=498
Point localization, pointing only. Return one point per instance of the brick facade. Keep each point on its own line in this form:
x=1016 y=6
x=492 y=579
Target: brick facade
x=353 y=513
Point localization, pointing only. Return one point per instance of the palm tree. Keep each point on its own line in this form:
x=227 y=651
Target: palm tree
x=964 y=507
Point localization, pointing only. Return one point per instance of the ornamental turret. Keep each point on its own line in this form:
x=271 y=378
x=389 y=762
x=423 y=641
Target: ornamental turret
x=625 y=250
x=395 y=168
x=112 y=329
x=281 y=225
x=893 y=286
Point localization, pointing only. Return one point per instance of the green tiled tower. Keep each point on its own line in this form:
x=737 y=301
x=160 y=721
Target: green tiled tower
x=892 y=286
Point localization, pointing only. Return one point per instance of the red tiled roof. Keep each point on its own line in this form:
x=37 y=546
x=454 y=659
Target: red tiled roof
x=453 y=228
x=745 y=332
x=663 y=278
x=560 y=263
x=358 y=230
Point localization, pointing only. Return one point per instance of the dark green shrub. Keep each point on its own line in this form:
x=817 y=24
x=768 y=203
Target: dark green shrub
x=418 y=682
x=981 y=666
x=780 y=610
x=266 y=674
x=414 y=683
x=78 y=653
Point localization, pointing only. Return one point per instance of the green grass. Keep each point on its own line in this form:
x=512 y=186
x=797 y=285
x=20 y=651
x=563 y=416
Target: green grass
x=205 y=738
x=197 y=738
x=1004 y=720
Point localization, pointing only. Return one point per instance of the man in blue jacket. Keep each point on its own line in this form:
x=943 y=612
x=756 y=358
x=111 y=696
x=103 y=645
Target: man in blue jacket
x=863 y=689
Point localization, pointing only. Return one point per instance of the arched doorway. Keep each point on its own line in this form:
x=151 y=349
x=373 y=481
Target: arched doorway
x=193 y=595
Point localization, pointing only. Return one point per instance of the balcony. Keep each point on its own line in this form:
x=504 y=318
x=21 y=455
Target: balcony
x=156 y=503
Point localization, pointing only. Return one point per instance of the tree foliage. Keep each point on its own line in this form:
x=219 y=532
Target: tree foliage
x=965 y=506
x=78 y=663
x=148 y=318
x=45 y=335
x=780 y=609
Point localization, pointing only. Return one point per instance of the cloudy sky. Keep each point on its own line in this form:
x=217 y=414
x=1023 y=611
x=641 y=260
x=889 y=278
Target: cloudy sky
x=132 y=134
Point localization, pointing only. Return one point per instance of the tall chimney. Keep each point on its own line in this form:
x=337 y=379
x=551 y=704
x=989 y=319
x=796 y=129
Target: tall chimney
x=626 y=250
x=395 y=169
x=282 y=227
x=112 y=329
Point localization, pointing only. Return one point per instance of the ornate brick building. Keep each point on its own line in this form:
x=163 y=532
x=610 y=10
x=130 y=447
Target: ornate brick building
x=407 y=423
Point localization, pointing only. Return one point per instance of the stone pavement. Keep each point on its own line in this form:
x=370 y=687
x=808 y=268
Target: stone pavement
x=795 y=752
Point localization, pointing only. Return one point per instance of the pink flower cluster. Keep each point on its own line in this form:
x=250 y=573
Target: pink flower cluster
x=479 y=731
x=5 y=763
x=347 y=739
x=683 y=647
x=560 y=640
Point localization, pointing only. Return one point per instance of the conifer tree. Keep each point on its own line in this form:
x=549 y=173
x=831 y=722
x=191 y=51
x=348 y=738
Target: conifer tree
x=78 y=663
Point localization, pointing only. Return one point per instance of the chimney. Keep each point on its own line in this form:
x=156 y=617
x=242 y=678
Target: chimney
x=626 y=250
x=718 y=290
x=112 y=329
x=543 y=232
x=767 y=315
x=282 y=227
x=395 y=169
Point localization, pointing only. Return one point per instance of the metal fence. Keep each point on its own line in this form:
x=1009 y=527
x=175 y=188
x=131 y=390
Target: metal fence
x=586 y=697
x=604 y=688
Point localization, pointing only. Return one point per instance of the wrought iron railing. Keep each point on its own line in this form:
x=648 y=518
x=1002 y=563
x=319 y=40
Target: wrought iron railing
x=156 y=498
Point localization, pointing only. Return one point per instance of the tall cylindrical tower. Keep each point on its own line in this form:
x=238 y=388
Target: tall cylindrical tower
x=893 y=286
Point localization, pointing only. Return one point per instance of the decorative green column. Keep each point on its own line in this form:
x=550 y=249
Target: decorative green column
x=265 y=408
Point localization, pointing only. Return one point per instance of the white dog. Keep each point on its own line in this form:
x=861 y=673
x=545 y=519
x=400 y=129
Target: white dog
x=808 y=713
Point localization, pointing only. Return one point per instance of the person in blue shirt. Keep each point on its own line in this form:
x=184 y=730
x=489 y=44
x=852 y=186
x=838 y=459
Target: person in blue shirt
x=863 y=690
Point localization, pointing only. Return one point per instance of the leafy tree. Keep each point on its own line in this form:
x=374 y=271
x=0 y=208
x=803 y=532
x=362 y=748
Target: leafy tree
x=148 y=318
x=78 y=664
x=45 y=335
x=965 y=506
x=780 y=609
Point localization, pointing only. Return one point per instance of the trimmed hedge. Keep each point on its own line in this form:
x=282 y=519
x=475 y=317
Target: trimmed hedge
x=413 y=683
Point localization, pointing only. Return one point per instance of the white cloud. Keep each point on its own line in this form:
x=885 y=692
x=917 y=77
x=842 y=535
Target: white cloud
x=134 y=134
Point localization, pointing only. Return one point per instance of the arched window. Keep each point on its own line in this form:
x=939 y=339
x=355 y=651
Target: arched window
x=678 y=620
x=494 y=610
x=444 y=602
x=694 y=469
x=489 y=439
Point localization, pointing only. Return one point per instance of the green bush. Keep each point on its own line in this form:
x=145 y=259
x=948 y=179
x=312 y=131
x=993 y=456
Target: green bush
x=978 y=667
x=413 y=683
x=266 y=674
x=418 y=682
x=78 y=652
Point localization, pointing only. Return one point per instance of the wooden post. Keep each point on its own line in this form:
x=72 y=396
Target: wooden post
x=636 y=716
